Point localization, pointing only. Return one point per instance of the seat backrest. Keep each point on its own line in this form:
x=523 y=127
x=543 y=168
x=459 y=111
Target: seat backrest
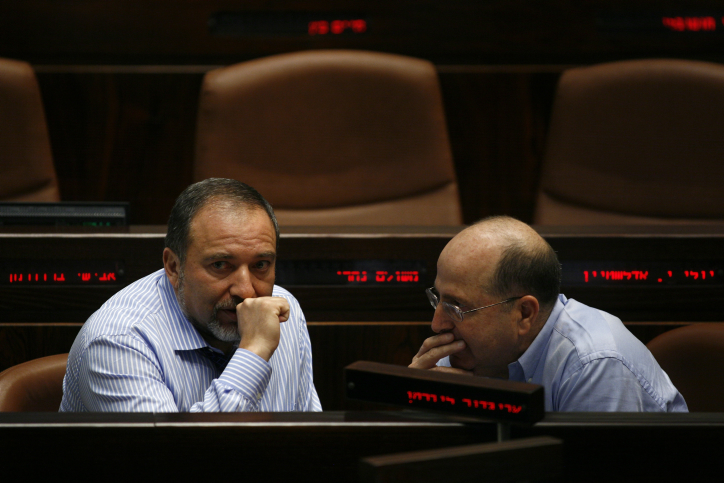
x=26 y=167
x=693 y=358
x=332 y=137
x=635 y=142
x=33 y=386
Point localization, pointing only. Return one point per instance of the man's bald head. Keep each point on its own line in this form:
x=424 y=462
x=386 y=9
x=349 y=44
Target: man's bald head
x=509 y=259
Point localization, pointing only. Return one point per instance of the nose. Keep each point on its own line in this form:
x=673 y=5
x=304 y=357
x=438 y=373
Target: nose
x=441 y=322
x=241 y=284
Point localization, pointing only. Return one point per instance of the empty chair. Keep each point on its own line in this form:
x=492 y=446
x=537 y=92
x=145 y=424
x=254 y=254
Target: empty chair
x=693 y=357
x=332 y=137
x=33 y=386
x=26 y=163
x=635 y=142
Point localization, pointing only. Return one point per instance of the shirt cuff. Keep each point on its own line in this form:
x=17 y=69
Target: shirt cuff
x=248 y=374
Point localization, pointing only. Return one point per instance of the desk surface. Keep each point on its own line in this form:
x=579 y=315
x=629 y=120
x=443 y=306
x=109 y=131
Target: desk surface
x=327 y=446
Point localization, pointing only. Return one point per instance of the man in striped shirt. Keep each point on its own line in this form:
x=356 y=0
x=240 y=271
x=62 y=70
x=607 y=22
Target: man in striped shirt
x=208 y=332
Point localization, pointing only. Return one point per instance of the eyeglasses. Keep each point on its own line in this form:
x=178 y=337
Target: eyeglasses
x=453 y=310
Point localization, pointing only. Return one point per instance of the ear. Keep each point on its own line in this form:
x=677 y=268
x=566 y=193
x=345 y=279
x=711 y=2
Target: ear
x=528 y=310
x=172 y=266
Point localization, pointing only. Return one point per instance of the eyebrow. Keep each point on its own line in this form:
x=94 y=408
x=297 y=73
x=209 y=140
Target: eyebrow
x=227 y=256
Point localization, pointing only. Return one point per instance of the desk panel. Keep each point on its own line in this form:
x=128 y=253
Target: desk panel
x=327 y=446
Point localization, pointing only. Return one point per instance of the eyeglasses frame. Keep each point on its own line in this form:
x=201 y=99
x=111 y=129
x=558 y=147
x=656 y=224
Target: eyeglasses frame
x=451 y=309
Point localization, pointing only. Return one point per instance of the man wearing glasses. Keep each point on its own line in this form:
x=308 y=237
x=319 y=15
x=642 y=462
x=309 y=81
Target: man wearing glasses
x=498 y=314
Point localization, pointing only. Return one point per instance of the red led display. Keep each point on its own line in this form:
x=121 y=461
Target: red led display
x=690 y=24
x=381 y=276
x=352 y=272
x=337 y=27
x=56 y=278
x=470 y=403
x=652 y=273
x=53 y=272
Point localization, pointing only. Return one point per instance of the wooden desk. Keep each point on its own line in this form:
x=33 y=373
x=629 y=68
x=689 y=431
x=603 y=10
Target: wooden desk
x=327 y=446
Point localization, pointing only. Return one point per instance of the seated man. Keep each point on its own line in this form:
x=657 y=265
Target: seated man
x=208 y=332
x=498 y=313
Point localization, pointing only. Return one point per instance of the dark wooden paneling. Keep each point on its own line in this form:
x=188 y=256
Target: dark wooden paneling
x=336 y=345
x=321 y=447
x=460 y=32
x=328 y=446
x=122 y=137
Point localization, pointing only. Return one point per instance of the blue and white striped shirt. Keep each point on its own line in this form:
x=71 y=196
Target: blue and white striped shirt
x=138 y=352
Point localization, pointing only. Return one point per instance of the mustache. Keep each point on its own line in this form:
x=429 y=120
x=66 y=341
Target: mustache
x=228 y=304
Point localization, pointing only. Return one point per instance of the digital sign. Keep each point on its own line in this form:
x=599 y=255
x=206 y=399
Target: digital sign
x=668 y=23
x=604 y=273
x=488 y=398
x=352 y=272
x=52 y=272
x=291 y=24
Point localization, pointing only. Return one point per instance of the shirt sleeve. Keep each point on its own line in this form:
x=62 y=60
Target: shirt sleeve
x=605 y=385
x=122 y=374
x=307 y=399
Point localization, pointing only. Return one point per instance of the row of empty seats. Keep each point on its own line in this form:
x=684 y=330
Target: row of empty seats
x=355 y=138
x=692 y=356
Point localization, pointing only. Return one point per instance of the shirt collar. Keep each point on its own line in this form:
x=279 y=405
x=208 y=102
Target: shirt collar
x=182 y=334
x=524 y=368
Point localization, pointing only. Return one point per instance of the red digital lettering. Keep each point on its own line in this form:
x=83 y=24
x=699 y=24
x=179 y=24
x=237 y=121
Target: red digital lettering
x=380 y=276
x=338 y=26
x=85 y=276
x=359 y=26
x=468 y=402
x=693 y=23
x=674 y=23
x=585 y=275
x=318 y=27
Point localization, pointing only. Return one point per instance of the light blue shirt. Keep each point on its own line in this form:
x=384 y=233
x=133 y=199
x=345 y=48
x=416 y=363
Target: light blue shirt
x=586 y=360
x=138 y=352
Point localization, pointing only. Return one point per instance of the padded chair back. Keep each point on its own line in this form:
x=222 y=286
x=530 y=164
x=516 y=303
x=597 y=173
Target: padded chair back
x=33 y=386
x=693 y=357
x=635 y=142
x=26 y=163
x=332 y=137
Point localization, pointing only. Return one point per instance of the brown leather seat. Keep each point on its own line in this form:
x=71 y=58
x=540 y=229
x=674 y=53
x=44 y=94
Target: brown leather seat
x=26 y=170
x=693 y=357
x=33 y=386
x=332 y=137
x=635 y=142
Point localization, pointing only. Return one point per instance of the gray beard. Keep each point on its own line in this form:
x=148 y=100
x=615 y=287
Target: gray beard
x=212 y=327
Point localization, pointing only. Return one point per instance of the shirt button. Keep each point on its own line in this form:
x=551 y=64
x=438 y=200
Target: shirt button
x=530 y=379
x=258 y=396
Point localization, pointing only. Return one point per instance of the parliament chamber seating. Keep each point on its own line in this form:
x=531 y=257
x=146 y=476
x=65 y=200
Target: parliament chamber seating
x=693 y=357
x=635 y=142
x=27 y=172
x=33 y=386
x=332 y=137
